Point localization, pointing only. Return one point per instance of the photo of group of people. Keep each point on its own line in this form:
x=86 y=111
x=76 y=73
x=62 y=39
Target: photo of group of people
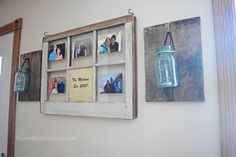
x=110 y=83
x=82 y=48
x=56 y=52
x=56 y=85
x=109 y=43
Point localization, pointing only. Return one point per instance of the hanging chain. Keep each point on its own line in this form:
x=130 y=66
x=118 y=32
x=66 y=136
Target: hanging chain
x=168 y=34
x=26 y=59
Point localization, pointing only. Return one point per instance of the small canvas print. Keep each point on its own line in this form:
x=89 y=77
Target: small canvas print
x=56 y=52
x=56 y=85
x=109 y=43
x=110 y=83
x=82 y=48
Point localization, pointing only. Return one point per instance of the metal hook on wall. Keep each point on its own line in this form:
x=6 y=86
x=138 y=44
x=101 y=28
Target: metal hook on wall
x=45 y=34
x=167 y=27
x=130 y=12
x=24 y=56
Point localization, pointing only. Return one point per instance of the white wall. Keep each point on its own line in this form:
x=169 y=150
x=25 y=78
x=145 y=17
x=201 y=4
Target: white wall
x=180 y=129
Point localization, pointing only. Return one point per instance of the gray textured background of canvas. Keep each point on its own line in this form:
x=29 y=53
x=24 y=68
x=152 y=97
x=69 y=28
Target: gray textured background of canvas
x=187 y=39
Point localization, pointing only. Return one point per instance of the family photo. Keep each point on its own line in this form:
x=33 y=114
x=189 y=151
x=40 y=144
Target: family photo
x=110 y=83
x=56 y=85
x=109 y=43
x=56 y=52
x=82 y=48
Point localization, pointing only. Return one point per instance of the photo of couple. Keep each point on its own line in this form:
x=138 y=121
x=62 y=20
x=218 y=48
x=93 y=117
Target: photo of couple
x=109 y=43
x=56 y=85
x=56 y=52
x=82 y=48
x=110 y=83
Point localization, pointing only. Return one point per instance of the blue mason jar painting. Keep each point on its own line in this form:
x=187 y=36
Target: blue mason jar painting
x=166 y=67
x=22 y=80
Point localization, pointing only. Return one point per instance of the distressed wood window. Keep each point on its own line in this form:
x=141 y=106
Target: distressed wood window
x=86 y=74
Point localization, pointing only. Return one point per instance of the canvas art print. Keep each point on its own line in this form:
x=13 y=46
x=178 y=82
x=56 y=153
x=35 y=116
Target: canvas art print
x=187 y=49
x=110 y=83
x=82 y=48
x=35 y=60
x=56 y=52
x=56 y=85
x=81 y=85
x=109 y=43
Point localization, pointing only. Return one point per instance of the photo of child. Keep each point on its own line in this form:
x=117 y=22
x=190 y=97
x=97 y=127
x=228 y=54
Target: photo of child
x=109 y=43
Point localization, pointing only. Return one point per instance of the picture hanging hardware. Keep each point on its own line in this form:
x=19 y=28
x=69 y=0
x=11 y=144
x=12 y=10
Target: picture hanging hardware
x=45 y=34
x=24 y=56
x=130 y=11
x=167 y=27
x=26 y=59
x=168 y=34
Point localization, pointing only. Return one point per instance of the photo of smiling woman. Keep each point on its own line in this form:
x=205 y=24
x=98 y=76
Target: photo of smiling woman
x=55 y=88
x=105 y=47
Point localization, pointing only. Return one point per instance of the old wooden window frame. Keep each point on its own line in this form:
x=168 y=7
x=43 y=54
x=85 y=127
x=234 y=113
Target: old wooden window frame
x=124 y=110
x=14 y=27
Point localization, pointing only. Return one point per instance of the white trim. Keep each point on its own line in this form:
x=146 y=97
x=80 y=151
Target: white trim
x=128 y=70
x=0 y=65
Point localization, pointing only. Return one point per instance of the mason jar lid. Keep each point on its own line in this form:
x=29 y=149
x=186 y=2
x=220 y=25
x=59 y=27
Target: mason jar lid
x=165 y=48
x=24 y=69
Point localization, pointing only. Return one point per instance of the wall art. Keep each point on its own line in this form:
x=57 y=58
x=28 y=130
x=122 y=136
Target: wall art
x=34 y=92
x=91 y=71
x=173 y=61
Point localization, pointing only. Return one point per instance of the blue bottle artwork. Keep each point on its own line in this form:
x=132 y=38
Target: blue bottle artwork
x=166 y=65
x=22 y=78
x=173 y=66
